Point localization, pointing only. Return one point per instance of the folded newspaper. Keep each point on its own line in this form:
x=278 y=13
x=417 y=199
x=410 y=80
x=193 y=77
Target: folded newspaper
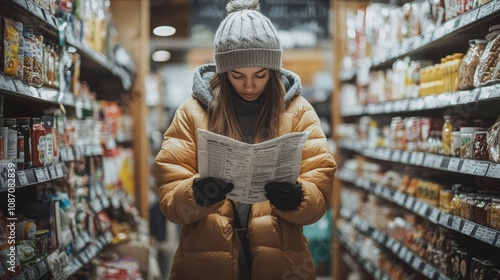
x=250 y=166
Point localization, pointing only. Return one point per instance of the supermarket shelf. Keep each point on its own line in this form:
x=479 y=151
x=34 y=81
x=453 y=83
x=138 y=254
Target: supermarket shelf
x=424 y=210
x=396 y=247
x=15 y=88
x=461 y=28
x=438 y=162
x=367 y=266
x=37 y=175
x=40 y=18
x=62 y=266
x=444 y=100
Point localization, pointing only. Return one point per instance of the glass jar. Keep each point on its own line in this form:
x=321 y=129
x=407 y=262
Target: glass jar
x=481 y=213
x=468 y=207
x=486 y=71
x=493 y=220
x=446 y=136
x=480 y=146
x=23 y=126
x=455 y=201
x=467 y=140
x=469 y=64
x=445 y=200
x=38 y=143
x=455 y=144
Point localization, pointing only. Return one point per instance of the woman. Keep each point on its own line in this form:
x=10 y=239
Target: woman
x=245 y=95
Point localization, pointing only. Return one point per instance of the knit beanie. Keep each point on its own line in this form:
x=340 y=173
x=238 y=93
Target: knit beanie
x=246 y=38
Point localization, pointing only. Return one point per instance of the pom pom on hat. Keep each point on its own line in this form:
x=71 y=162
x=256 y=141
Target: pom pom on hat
x=246 y=38
x=240 y=5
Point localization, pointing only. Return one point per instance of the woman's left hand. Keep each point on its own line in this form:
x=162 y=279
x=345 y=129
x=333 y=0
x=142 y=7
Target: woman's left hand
x=284 y=196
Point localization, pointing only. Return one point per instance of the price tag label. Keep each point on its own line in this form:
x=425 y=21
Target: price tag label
x=456 y=223
x=417 y=42
x=405 y=156
x=39 y=12
x=409 y=202
x=402 y=253
x=390 y=242
x=481 y=168
x=396 y=156
x=105 y=201
x=52 y=172
x=484 y=93
x=31 y=274
x=408 y=257
x=481 y=233
x=22 y=178
x=444 y=219
x=42 y=267
x=387 y=107
x=497 y=5
x=453 y=165
x=422 y=211
x=378 y=190
x=6 y=83
x=468 y=228
x=42 y=174
x=439 y=32
x=417 y=262
x=429 y=160
x=438 y=161
x=395 y=247
x=468 y=166
x=434 y=216
x=486 y=9
x=79 y=243
x=494 y=170
x=60 y=170
x=429 y=271
x=427 y=38
x=488 y=236
x=399 y=197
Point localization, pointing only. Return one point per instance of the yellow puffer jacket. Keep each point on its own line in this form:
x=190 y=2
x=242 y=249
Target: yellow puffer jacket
x=209 y=246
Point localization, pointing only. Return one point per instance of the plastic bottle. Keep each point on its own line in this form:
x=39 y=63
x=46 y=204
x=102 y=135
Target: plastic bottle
x=446 y=135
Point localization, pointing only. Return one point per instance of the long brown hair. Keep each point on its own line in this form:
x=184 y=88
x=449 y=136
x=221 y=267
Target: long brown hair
x=222 y=112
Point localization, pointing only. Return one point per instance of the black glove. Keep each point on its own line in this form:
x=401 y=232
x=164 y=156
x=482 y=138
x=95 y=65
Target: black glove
x=210 y=190
x=285 y=196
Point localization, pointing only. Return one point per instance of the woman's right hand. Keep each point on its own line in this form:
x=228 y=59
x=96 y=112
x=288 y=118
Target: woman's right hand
x=210 y=190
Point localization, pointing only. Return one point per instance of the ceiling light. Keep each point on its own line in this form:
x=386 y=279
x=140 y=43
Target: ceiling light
x=164 y=31
x=161 y=56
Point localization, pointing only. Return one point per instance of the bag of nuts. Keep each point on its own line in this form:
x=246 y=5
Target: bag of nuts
x=493 y=141
x=37 y=74
x=29 y=41
x=487 y=71
x=469 y=64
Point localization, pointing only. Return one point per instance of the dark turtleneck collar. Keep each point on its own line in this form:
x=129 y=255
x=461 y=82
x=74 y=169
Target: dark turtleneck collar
x=248 y=108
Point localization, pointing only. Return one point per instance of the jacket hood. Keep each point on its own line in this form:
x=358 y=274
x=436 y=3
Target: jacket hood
x=203 y=74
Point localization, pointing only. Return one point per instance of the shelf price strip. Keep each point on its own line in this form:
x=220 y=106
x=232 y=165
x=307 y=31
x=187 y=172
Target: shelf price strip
x=433 y=214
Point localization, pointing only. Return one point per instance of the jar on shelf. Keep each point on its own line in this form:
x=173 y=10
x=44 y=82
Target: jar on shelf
x=446 y=136
x=487 y=69
x=467 y=141
x=480 y=146
x=468 y=207
x=481 y=213
x=493 y=219
x=455 y=144
x=469 y=64
x=445 y=200
x=455 y=201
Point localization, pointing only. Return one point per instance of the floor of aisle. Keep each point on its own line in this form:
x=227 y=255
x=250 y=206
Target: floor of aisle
x=167 y=249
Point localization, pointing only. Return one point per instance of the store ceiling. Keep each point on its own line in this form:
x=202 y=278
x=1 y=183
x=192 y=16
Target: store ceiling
x=176 y=13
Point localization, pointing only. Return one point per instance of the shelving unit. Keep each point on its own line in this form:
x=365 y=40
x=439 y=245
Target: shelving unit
x=110 y=81
x=450 y=37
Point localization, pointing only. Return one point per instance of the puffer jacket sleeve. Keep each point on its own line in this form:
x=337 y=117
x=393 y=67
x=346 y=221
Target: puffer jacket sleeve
x=317 y=169
x=176 y=168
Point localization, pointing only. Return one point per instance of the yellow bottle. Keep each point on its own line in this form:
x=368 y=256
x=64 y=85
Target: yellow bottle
x=446 y=136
